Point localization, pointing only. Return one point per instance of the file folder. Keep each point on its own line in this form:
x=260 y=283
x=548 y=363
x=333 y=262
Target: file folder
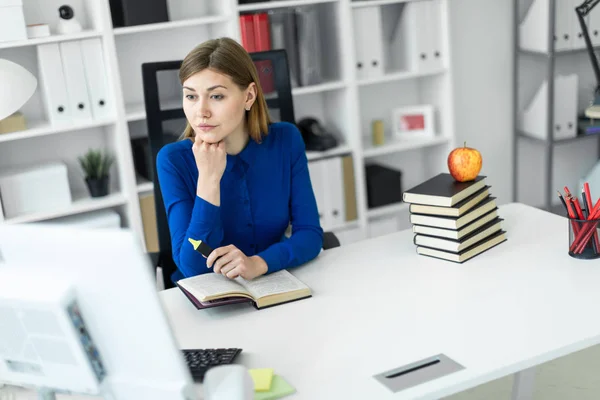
x=368 y=42
x=318 y=171
x=74 y=71
x=335 y=186
x=417 y=47
x=95 y=74
x=309 y=45
x=283 y=36
x=53 y=84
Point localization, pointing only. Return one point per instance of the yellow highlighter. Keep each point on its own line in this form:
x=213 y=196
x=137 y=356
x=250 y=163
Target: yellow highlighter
x=262 y=377
x=201 y=247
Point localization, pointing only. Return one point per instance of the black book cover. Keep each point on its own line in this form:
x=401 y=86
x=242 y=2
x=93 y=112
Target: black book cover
x=444 y=185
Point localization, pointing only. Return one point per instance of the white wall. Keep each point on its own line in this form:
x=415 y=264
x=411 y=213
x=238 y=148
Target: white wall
x=482 y=62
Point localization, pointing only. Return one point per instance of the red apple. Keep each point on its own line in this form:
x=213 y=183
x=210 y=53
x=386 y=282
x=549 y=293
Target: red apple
x=464 y=163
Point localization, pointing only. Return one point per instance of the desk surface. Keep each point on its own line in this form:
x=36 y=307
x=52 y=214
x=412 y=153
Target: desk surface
x=377 y=305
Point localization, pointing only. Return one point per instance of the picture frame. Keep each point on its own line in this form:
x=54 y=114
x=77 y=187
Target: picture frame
x=413 y=122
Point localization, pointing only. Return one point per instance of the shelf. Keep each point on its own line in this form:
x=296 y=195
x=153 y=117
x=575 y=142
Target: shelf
x=399 y=76
x=50 y=39
x=159 y=26
x=393 y=146
x=43 y=128
x=345 y=226
x=557 y=141
x=137 y=111
x=81 y=205
x=383 y=211
x=280 y=4
x=144 y=186
x=372 y=3
x=320 y=88
x=336 y=151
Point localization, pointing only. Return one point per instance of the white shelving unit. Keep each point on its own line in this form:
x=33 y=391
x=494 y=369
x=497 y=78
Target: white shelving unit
x=345 y=104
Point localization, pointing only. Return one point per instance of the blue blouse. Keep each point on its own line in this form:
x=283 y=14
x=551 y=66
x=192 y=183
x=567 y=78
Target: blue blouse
x=264 y=188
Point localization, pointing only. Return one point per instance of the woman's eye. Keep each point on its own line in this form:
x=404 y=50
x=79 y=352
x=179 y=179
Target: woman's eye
x=190 y=96
x=217 y=97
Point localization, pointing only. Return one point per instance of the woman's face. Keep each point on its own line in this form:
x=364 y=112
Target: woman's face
x=215 y=106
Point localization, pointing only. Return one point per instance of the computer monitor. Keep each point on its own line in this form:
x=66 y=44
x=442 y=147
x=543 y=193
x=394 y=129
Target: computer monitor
x=108 y=275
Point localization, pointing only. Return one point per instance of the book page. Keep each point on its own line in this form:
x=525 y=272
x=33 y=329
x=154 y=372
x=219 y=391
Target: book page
x=210 y=285
x=275 y=283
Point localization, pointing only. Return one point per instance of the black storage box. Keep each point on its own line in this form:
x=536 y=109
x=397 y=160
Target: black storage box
x=384 y=185
x=138 y=12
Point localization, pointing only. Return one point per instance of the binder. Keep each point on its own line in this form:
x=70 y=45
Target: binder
x=53 y=83
x=309 y=45
x=368 y=42
x=335 y=187
x=433 y=12
x=533 y=29
x=534 y=117
x=97 y=83
x=247 y=32
x=417 y=46
x=577 y=42
x=74 y=70
x=283 y=36
x=593 y=24
x=564 y=30
x=318 y=171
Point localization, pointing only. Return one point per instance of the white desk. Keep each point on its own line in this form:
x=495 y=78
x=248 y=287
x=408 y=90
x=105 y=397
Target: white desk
x=377 y=305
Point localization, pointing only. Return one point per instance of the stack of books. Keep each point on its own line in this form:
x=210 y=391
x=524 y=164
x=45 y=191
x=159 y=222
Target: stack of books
x=452 y=220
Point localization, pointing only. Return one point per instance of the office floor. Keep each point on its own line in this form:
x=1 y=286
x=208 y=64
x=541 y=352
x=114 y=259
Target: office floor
x=573 y=377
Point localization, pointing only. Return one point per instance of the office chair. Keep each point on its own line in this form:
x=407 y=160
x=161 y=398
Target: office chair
x=273 y=72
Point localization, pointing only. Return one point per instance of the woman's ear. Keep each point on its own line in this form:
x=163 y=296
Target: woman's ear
x=250 y=96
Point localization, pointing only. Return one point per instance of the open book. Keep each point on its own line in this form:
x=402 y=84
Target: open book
x=213 y=290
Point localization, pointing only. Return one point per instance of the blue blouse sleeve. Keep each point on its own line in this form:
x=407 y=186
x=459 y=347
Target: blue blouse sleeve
x=306 y=240
x=189 y=216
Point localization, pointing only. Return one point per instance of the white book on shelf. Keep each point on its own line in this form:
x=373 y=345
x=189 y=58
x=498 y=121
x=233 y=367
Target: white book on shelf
x=564 y=28
x=368 y=42
x=95 y=76
x=577 y=41
x=534 y=119
x=74 y=70
x=53 y=84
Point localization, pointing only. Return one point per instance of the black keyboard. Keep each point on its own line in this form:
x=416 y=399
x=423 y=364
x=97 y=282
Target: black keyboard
x=200 y=360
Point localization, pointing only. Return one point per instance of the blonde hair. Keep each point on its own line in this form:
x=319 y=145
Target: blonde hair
x=226 y=56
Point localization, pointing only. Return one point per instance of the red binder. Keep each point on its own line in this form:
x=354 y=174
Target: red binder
x=247 y=32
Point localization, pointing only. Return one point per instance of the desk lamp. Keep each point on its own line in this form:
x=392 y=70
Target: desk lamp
x=593 y=111
x=18 y=85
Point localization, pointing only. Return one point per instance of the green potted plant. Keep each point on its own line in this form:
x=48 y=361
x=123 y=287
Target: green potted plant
x=96 y=166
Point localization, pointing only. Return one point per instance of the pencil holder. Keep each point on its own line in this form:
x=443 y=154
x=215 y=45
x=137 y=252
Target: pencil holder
x=584 y=238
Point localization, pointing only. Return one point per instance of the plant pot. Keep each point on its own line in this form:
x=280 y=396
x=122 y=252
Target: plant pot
x=98 y=187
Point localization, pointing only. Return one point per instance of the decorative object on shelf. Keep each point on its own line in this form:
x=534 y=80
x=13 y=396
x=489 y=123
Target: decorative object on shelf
x=378 y=132
x=316 y=138
x=12 y=21
x=13 y=123
x=18 y=85
x=35 y=31
x=67 y=23
x=464 y=163
x=413 y=122
x=96 y=166
x=36 y=188
x=138 y=12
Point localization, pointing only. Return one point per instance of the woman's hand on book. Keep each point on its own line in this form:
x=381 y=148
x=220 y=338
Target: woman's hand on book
x=232 y=262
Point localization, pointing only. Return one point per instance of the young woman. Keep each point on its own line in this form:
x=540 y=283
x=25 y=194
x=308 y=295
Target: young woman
x=235 y=180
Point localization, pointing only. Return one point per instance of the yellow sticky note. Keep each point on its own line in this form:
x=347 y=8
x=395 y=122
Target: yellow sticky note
x=262 y=378
x=279 y=389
